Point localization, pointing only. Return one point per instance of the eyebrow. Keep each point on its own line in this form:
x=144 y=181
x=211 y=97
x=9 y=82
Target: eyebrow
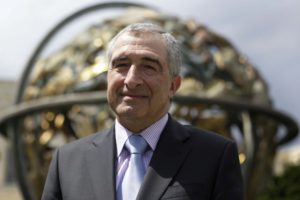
x=119 y=59
x=154 y=60
x=146 y=58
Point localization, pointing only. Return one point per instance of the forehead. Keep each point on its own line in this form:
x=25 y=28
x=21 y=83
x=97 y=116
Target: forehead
x=150 y=44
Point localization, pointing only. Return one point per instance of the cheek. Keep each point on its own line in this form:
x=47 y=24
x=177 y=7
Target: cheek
x=114 y=81
x=161 y=88
x=112 y=85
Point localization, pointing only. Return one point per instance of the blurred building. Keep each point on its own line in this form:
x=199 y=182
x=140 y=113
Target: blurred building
x=287 y=156
x=7 y=96
x=7 y=93
x=7 y=191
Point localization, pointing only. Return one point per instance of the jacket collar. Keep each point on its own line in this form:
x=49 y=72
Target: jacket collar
x=168 y=156
x=100 y=159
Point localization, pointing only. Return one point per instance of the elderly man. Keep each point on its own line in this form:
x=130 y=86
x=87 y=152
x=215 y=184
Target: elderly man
x=146 y=155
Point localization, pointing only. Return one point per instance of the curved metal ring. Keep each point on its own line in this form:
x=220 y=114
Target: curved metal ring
x=67 y=100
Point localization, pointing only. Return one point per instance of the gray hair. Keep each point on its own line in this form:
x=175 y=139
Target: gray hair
x=173 y=48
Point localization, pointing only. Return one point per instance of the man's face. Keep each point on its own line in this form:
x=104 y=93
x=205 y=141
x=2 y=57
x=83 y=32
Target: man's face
x=139 y=82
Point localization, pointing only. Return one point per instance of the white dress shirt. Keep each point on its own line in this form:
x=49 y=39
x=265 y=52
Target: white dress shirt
x=150 y=134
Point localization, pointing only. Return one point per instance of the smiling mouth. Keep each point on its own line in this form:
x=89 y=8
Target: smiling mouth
x=134 y=96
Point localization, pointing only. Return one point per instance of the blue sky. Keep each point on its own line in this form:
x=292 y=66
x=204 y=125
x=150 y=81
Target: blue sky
x=266 y=31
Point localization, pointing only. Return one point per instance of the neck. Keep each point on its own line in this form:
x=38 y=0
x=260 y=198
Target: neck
x=137 y=125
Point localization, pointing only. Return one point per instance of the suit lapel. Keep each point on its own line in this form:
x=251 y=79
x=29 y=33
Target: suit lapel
x=100 y=162
x=170 y=153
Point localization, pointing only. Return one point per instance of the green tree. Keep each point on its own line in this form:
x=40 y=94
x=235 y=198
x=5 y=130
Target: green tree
x=285 y=186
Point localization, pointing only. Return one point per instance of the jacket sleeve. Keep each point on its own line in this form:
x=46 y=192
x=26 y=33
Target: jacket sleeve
x=52 y=190
x=229 y=182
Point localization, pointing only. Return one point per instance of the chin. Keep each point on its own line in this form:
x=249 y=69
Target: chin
x=129 y=112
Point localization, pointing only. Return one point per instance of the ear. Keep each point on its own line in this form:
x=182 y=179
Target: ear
x=175 y=84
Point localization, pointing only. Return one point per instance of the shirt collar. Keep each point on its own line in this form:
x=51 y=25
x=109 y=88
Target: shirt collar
x=150 y=134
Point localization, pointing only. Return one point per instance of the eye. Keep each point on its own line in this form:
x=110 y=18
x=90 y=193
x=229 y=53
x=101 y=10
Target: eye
x=120 y=65
x=120 y=62
x=150 y=69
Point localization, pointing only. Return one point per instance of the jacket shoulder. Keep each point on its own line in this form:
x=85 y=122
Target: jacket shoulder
x=206 y=134
x=81 y=144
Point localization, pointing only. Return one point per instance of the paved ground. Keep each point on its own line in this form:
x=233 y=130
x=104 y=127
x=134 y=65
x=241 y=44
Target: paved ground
x=10 y=193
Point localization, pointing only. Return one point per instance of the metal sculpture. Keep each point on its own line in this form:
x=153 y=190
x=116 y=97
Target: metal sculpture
x=62 y=97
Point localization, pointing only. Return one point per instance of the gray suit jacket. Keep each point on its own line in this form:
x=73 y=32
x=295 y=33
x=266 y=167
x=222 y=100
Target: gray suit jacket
x=188 y=163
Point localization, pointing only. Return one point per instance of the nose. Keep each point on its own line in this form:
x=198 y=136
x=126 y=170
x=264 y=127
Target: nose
x=133 y=77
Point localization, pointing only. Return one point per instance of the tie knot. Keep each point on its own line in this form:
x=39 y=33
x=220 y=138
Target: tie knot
x=136 y=144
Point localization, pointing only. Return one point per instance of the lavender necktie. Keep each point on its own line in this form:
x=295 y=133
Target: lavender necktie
x=135 y=172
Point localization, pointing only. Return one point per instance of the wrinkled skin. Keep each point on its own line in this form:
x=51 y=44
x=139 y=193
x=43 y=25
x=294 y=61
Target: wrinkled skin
x=139 y=83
